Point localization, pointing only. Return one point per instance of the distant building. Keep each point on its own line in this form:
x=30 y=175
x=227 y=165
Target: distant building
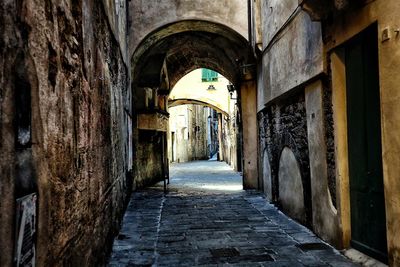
x=202 y=119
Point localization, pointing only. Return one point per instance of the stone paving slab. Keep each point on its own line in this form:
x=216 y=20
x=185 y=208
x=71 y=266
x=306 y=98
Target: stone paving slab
x=191 y=226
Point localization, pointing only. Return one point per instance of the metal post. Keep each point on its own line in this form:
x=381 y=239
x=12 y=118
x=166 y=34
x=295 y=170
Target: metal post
x=167 y=172
x=163 y=164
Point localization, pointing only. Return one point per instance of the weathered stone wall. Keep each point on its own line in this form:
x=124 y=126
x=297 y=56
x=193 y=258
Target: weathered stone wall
x=148 y=158
x=291 y=59
x=284 y=125
x=64 y=56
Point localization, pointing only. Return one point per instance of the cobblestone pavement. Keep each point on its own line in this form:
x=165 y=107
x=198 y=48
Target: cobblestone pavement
x=207 y=220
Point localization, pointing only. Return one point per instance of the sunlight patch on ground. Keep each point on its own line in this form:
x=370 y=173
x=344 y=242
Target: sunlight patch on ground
x=223 y=187
x=205 y=175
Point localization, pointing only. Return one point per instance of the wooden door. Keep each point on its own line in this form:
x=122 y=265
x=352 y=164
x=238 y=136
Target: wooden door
x=368 y=219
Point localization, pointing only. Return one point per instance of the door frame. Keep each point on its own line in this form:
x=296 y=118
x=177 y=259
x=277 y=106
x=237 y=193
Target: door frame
x=337 y=68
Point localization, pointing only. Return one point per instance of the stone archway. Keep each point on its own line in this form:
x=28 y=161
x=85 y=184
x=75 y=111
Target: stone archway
x=170 y=52
x=186 y=45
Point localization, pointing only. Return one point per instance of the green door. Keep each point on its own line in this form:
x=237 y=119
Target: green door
x=368 y=219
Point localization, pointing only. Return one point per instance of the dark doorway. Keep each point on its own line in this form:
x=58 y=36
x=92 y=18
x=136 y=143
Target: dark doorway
x=368 y=219
x=172 y=146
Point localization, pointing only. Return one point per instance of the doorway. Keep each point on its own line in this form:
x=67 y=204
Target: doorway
x=368 y=218
x=172 y=146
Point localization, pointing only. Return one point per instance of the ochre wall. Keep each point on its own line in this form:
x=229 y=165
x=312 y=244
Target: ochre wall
x=385 y=13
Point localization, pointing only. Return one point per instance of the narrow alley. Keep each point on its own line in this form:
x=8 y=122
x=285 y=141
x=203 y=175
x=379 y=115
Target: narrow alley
x=276 y=123
x=207 y=219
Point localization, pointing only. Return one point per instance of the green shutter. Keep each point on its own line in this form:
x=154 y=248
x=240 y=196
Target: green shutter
x=204 y=73
x=209 y=75
x=213 y=75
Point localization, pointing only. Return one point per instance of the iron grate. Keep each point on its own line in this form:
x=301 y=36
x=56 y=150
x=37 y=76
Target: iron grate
x=313 y=246
x=224 y=252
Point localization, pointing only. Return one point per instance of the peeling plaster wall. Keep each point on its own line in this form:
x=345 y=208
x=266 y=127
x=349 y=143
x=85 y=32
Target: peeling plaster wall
x=73 y=65
x=293 y=59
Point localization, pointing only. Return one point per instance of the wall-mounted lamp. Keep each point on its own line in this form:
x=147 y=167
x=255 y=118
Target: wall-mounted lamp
x=246 y=68
x=231 y=89
x=211 y=87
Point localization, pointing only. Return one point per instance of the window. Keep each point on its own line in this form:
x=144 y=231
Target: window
x=209 y=75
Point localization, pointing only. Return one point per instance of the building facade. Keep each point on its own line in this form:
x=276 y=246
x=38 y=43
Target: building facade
x=188 y=133
x=327 y=118
x=208 y=127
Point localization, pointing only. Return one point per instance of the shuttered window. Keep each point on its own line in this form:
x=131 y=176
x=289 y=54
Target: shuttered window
x=209 y=75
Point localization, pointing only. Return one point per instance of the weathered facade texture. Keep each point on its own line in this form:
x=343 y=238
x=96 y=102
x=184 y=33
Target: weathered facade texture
x=312 y=59
x=84 y=86
x=64 y=102
x=148 y=159
x=84 y=91
x=283 y=125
